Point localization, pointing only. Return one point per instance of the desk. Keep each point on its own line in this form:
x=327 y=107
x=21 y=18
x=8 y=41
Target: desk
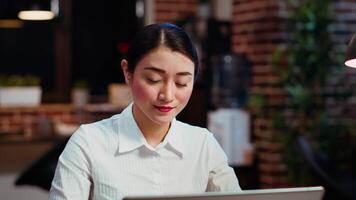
x=22 y=139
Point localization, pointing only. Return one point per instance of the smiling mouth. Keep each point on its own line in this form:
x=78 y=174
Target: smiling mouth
x=164 y=108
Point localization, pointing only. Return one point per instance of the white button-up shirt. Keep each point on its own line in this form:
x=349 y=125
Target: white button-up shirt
x=111 y=159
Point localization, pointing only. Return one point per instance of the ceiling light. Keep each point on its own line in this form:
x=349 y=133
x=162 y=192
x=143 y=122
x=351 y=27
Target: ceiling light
x=36 y=15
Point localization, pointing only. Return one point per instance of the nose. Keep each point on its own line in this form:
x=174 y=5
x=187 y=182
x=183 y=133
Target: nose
x=166 y=93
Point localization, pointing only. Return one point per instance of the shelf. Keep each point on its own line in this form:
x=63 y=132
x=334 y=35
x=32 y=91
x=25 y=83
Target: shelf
x=49 y=122
x=24 y=139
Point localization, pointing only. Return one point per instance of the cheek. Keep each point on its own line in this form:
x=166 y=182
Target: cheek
x=184 y=96
x=140 y=91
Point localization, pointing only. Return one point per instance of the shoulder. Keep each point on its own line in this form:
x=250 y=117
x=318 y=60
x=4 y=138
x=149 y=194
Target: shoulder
x=195 y=134
x=99 y=127
x=192 y=130
x=200 y=142
x=96 y=134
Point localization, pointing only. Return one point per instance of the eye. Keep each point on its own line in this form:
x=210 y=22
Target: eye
x=180 y=85
x=152 y=81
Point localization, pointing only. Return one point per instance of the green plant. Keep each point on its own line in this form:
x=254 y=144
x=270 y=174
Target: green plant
x=256 y=103
x=305 y=65
x=19 y=80
x=81 y=84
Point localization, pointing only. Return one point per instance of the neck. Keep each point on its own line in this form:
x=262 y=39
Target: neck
x=154 y=133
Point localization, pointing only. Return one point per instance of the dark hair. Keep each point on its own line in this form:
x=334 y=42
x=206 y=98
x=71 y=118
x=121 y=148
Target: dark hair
x=155 y=35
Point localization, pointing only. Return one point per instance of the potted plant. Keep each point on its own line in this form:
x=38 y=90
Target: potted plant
x=306 y=65
x=80 y=93
x=20 y=90
x=119 y=94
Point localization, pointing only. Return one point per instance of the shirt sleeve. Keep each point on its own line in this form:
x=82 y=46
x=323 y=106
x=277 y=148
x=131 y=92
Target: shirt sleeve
x=72 y=177
x=221 y=176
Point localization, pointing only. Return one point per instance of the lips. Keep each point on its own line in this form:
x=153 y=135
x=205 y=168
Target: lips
x=164 y=108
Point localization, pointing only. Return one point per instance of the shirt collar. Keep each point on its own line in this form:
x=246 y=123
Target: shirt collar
x=131 y=137
x=174 y=139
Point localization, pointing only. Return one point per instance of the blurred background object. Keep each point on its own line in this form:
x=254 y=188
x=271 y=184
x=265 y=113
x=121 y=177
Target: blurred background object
x=231 y=127
x=230 y=80
x=80 y=93
x=20 y=91
x=337 y=183
x=119 y=94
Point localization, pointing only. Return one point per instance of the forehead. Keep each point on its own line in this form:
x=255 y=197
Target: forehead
x=167 y=60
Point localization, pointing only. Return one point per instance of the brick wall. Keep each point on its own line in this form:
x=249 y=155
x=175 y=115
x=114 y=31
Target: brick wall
x=258 y=27
x=25 y=120
x=34 y=121
x=172 y=10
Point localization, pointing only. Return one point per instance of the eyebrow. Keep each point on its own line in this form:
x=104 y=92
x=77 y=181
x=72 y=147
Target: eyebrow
x=161 y=71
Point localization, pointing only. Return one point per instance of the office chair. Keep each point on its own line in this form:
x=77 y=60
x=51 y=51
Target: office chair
x=338 y=184
x=41 y=172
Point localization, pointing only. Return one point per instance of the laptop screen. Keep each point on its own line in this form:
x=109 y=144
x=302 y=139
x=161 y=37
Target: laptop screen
x=300 y=193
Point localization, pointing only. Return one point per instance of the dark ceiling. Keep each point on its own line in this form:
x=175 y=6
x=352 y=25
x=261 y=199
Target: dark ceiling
x=97 y=28
x=10 y=8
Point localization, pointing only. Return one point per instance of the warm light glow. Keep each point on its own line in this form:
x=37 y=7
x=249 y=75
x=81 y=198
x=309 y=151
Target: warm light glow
x=10 y=23
x=351 y=63
x=35 y=15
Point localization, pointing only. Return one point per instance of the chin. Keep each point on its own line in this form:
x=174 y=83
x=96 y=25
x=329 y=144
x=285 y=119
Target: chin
x=162 y=120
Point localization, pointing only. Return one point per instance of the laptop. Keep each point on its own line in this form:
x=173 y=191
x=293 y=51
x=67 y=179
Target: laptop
x=300 y=193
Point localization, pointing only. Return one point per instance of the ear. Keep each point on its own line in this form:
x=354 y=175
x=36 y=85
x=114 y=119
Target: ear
x=125 y=70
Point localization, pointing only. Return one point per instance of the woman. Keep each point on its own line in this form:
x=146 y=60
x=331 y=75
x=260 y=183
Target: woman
x=144 y=150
